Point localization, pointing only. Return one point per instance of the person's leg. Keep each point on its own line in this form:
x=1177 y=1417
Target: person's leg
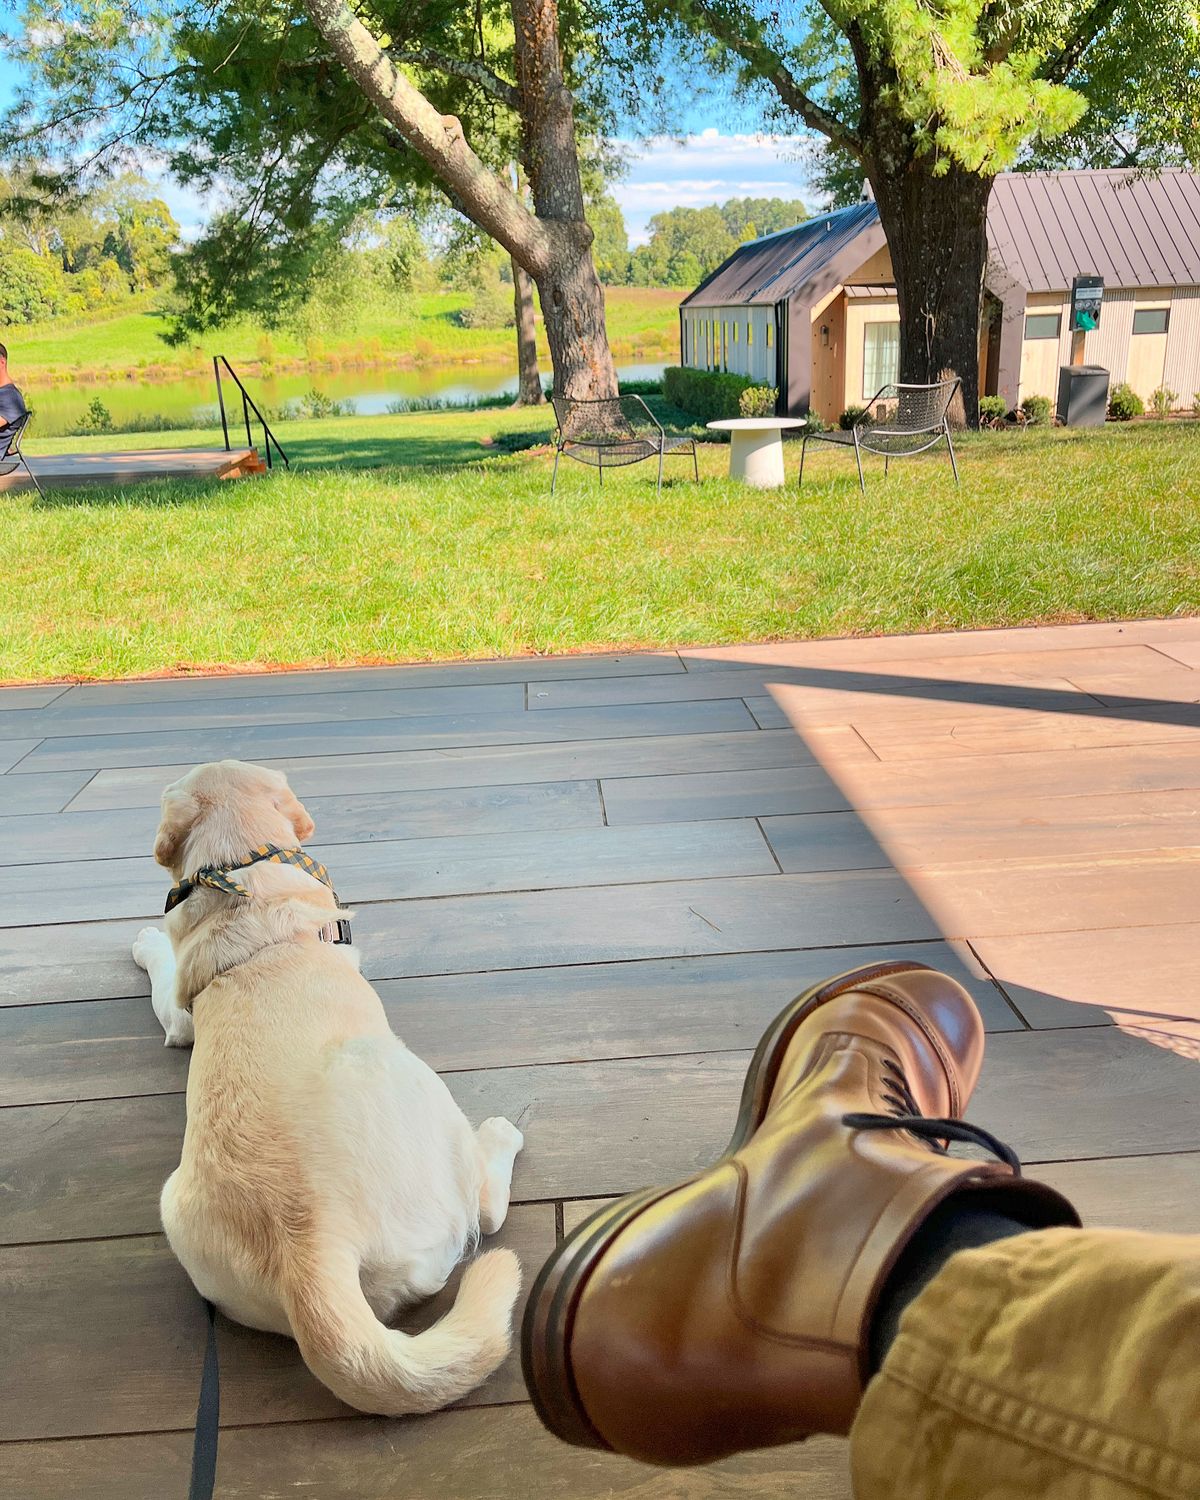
x=1061 y=1365
x=742 y=1308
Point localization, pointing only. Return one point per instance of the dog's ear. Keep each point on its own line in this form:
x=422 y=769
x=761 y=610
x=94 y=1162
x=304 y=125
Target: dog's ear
x=295 y=812
x=179 y=812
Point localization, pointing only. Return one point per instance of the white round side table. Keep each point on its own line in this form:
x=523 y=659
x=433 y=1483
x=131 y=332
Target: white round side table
x=756 y=448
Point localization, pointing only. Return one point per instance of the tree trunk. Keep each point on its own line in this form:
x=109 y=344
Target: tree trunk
x=936 y=230
x=554 y=243
x=529 y=390
x=568 y=287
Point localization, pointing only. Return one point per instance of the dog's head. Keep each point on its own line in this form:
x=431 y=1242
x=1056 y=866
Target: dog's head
x=218 y=812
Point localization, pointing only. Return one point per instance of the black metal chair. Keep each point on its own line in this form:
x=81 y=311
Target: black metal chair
x=611 y=432
x=11 y=457
x=899 y=422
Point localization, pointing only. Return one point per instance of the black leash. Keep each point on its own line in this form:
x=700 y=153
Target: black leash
x=208 y=1417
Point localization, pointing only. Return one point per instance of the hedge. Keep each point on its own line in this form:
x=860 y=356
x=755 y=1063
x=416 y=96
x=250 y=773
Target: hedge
x=706 y=395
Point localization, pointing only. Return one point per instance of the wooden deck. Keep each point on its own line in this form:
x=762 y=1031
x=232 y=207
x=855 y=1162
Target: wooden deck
x=69 y=470
x=583 y=885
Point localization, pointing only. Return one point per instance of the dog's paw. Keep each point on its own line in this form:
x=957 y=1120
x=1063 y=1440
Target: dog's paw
x=150 y=943
x=182 y=1032
x=500 y=1135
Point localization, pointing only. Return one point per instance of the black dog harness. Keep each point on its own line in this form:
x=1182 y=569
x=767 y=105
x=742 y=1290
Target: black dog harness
x=221 y=878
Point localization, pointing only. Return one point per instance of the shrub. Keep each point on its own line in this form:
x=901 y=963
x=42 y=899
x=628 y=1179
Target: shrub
x=1124 y=403
x=97 y=418
x=706 y=395
x=1037 y=409
x=851 y=415
x=1196 y=403
x=490 y=307
x=992 y=409
x=757 y=401
x=1162 y=401
x=316 y=405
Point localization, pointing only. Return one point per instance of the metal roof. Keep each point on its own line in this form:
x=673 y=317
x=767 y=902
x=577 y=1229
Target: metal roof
x=1044 y=228
x=769 y=270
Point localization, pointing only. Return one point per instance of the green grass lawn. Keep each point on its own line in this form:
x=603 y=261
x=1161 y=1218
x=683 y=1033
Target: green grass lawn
x=641 y=320
x=450 y=549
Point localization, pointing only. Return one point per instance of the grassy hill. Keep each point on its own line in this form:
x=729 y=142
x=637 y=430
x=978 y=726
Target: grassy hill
x=643 y=323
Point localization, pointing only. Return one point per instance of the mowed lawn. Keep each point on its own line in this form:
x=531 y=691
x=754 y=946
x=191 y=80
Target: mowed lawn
x=450 y=547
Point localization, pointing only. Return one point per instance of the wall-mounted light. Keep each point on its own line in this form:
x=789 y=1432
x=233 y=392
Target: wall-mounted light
x=824 y=335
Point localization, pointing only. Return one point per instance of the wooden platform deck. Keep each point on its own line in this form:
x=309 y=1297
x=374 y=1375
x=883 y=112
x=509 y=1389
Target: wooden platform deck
x=67 y=470
x=584 y=886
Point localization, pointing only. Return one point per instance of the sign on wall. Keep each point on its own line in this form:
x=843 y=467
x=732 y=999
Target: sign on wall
x=1087 y=293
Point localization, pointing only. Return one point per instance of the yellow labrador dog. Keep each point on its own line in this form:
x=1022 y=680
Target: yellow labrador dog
x=327 y=1176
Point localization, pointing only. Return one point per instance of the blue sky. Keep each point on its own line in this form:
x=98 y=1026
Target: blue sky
x=705 y=167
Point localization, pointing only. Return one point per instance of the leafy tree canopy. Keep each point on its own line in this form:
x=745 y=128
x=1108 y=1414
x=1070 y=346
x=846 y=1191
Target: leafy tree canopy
x=686 y=244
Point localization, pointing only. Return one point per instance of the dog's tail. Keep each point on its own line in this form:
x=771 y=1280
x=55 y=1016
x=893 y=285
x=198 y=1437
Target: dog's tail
x=378 y=1369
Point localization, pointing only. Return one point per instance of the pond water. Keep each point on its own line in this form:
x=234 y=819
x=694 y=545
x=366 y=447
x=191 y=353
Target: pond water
x=60 y=408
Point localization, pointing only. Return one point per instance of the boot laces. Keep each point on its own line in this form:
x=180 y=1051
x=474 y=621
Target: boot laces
x=936 y=1133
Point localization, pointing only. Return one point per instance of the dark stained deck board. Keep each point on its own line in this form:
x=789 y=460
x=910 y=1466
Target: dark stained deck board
x=31 y=696
x=103 y=1049
x=595 y=1128
x=613 y=1021
x=479 y=1454
x=362 y=817
x=828 y=695
x=67 y=719
x=370 y=679
x=143 y=1318
x=46 y=793
x=358 y=736
x=413 y=869
x=490 y=765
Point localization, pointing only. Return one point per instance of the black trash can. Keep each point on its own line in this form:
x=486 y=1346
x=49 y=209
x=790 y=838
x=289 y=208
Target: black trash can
x=1082 y=395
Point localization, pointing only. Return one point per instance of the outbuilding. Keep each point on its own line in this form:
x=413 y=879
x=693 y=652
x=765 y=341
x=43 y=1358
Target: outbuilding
x=812 y=310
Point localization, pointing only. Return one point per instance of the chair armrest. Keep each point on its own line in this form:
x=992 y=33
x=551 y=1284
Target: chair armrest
x=638 y=402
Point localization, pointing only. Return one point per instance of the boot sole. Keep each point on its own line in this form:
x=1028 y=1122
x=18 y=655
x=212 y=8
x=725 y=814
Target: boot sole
x=550 y=1312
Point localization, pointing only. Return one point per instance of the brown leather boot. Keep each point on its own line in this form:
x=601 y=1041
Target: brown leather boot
x=733 y=1311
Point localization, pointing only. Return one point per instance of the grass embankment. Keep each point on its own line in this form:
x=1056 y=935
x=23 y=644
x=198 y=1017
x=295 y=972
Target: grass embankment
x=448 y=550
x=643 y=322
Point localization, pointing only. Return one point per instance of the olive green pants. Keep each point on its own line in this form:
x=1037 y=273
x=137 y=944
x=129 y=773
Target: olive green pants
x=1058 y=1365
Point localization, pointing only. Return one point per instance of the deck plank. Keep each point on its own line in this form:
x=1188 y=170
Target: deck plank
x=114 y=1048
x=596 y=1128
x=136 y=1354
x=46 y=793
x=364 y=817
x=358 y=736
x=411 y=869
x=68 y=719
x=457 y=1455
x=427 y=770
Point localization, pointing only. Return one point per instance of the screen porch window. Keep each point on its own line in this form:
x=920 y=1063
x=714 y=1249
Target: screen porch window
x=881 y=357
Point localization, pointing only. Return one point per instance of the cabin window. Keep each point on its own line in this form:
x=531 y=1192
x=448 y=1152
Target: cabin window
x=735 y=333
x=1043 y=325
x=881 y=357
x=770 y=335
x=1150 y=320
x=749 y=335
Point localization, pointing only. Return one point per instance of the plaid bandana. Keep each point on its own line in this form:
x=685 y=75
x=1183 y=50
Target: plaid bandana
x=222 y=879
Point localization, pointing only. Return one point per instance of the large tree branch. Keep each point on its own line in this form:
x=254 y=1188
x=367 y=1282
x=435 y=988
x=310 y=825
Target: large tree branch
x=470 y=68
x=1059 y=65
x=768 y=65
x=438 y=139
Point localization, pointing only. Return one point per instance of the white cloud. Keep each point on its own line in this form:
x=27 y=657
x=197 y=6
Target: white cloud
x=708 y=168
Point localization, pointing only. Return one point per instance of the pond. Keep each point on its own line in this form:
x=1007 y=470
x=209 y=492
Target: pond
x=146 y=404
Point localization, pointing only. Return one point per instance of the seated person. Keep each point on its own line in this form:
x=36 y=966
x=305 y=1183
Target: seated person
x=12 y=403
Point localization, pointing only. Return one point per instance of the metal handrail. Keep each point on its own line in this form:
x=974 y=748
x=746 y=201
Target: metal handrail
x=248 y=406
